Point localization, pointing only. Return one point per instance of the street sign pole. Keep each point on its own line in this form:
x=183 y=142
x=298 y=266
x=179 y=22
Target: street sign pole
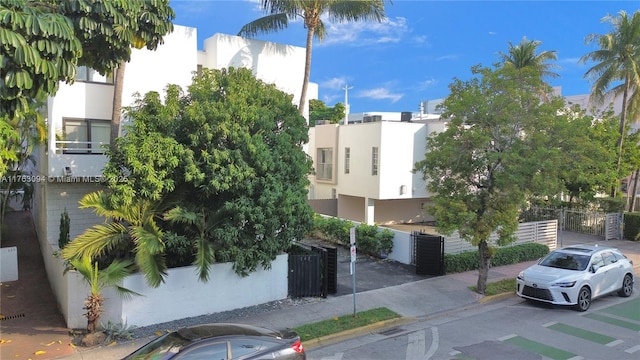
x=352 y=238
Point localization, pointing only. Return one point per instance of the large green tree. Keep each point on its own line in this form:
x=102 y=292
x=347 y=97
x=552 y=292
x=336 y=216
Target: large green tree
x=228 y=159
x=311 y=12
x=41 y=42
x=589 y=141
x=617 y=70
x=495 y=153
x=38 y=49
x=108 y=29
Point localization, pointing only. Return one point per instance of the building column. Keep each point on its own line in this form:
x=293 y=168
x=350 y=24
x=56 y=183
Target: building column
x=369 y=211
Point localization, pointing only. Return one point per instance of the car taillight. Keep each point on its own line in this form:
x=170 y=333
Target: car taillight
x=297 y=347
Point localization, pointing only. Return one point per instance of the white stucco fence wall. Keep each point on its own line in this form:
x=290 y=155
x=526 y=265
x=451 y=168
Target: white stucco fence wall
x=181 y=296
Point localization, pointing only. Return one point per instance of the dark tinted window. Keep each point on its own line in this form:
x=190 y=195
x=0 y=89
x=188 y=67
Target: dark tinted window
x=563 y=260
x=242 y=347
x=210 y=351
x=160 y=348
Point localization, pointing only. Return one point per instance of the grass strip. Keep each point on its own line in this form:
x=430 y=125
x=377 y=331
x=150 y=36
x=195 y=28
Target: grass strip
x=345 y=322
x=498 y=287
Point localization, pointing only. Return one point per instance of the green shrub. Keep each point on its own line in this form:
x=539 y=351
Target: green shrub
x=469 y=260
x=632 y=226
x=179 y=250
x=369 y=238
x=65 y=224
x=385 y=240
x=366 y=240
x=332 y=229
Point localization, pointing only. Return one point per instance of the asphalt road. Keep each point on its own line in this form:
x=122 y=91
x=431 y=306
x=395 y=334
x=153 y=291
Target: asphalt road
x=509 y=329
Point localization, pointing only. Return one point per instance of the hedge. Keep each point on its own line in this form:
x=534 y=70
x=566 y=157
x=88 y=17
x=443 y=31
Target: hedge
x=469 y=260
x=632 y=226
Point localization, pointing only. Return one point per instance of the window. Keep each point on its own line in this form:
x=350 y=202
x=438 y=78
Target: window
x=325 y=164
x=242 y=347
x=86 y=74
x=347 y=159
x=215 y=351
x=85 y=136
x=374 y=160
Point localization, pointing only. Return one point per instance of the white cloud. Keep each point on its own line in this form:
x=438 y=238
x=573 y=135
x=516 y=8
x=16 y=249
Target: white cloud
x=426 y=84
x=335 y=83
x=331 y=99
x=421 y=40
x=492 y=33
x=390 y=30
x=379 y=93
x=447 y=57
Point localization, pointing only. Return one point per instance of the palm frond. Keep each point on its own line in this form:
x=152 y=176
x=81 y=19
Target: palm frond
x=95 y=241
x=205 y=257
x=99 y=202
x=181 y=215
x=356 y=10
x=153 y=267
x=266 y=24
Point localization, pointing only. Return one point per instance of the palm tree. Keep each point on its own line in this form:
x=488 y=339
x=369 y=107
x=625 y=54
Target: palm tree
x=99 y=280
x=617 y=70
x=281 y=11
x=524 y=55
x=132 y=226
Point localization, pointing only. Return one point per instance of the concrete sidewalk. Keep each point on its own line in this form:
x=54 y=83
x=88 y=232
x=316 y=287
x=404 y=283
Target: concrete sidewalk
x=416 y=299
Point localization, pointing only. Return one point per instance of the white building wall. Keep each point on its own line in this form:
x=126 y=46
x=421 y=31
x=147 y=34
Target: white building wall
x=402 y=145
x=360 y=138
x=279 y=64
x=171 y=63
x=61 y=196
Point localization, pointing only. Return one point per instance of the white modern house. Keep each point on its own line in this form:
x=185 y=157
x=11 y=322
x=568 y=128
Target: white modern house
x=78 y=118
x=366 y=166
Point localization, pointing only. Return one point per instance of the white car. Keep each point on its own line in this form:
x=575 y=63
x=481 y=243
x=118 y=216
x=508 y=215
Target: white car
x=577 y=274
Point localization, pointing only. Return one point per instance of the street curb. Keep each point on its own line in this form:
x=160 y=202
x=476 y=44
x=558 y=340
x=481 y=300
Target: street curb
x=351 y=333
x=486 y=299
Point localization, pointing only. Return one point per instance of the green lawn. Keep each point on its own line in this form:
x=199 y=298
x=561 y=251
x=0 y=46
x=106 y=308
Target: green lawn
x=498 y=287
x=345 y=322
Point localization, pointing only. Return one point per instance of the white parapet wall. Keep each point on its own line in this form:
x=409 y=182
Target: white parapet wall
x=181 y=296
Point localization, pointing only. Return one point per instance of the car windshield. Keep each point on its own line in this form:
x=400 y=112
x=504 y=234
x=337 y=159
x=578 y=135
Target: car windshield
x=161 y=348
x=565 y=260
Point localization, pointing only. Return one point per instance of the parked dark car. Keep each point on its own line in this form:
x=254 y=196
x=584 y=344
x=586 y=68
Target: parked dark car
x=223 y=342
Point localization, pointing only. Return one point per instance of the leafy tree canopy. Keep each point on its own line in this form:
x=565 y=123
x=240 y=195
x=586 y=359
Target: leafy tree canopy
x=318 y=110
x=42 y=41
x=228 y=158
x=498 y=149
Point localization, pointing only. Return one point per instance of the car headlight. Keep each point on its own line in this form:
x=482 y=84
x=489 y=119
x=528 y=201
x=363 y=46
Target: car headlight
x=565 y=284
x=521 y=275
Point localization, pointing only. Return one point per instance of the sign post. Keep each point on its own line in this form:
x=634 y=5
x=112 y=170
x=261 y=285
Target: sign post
x=352 y=238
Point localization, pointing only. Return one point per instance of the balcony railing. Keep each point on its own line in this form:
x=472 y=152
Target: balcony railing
x=80 y=147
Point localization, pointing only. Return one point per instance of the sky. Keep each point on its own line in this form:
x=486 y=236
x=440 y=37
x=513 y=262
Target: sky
x=422 y=45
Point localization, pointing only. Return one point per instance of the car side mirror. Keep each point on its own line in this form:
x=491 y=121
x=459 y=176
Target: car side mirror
x=594 y=268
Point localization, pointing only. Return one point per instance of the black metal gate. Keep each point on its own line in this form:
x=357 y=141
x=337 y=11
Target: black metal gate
x=428 y=253
x=314 y=272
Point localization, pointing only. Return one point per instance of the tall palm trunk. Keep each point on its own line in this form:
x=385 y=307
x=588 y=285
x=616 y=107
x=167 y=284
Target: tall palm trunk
x=623 y=125
x=307 y=70
x=634 y=193
x=118 y=83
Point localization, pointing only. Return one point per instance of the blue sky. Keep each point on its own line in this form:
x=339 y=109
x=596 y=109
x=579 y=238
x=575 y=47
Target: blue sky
x=422 y=45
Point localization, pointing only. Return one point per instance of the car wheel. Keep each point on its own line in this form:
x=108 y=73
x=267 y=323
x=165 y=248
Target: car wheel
x=627 y=286
x=584 y=299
